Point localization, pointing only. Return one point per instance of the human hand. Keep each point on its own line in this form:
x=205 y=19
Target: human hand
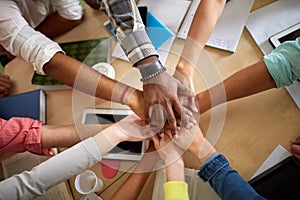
x=161 y=94
x=166 y=148
x=137 y=103
x=194 y=141
x=132 y=128
x=5 y=85
x=186 y=78
x=295 y=147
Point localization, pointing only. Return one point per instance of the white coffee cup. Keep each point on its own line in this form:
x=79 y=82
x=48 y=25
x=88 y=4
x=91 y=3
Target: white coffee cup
x=105 y=69
x=87 y=182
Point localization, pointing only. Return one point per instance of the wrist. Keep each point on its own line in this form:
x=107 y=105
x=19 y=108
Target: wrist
x=107 y=139
x=204 y=101
x=185 y=68
x=175 y=170
x=151 y=70
x=137 y=103
x=203 y=151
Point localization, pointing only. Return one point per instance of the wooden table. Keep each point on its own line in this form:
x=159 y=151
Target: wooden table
x=251 y=127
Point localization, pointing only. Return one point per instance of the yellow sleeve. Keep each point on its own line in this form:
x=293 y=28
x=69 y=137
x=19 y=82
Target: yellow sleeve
x=176 y=190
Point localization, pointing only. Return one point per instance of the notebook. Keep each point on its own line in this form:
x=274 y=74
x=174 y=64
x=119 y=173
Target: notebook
x=30 y=104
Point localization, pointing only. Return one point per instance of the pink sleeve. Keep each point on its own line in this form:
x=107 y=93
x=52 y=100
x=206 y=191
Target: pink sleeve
x=21 y=134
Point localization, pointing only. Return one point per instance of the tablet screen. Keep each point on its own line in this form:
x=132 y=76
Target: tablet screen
x=124 y=150
x=291 y=36
x=282 y=181
x=288 y=34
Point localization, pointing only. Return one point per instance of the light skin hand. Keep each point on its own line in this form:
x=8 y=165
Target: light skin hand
x=194 y=141
x=172 y=155
x=131 y=128
x=295 y=147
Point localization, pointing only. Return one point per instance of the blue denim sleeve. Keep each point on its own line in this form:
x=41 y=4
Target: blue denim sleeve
x=283 y=63
x=226 y=182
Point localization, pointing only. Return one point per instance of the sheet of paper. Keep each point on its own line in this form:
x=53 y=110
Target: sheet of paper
x=185 y=26
x=229 y=28
x=277 y=155
x=269 y=20
x=169 y=12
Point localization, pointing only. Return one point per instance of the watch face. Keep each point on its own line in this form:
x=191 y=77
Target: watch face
x=105 y=69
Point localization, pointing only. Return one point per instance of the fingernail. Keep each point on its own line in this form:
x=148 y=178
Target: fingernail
x=188 y=126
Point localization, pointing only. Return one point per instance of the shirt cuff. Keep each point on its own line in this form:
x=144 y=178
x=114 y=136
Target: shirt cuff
x=212 y=165
x=279 y=68
x=176 y=190
x=137 y=46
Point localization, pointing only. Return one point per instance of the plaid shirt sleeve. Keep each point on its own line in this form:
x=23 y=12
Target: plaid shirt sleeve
x=129 y=28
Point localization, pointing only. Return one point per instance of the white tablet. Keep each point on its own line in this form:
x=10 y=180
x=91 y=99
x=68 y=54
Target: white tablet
x=123 y=151
x=290 y=33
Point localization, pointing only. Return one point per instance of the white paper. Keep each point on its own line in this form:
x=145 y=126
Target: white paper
x=269 y=20
x=169 y=12
x=277 y=155
x=229 y=28
x=186 y=24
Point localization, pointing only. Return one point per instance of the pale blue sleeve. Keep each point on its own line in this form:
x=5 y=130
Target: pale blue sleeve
x=284 y=63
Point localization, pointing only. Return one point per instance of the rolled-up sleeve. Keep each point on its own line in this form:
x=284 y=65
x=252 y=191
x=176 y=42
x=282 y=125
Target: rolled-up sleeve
x=284 y=63
x=176 y=190
x=21 y=134
x=18 y=38
x=69 y=9
x=129 y=28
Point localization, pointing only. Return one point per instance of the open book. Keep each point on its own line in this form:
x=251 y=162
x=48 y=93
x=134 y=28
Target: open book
x=26 y=161
x=198 y=189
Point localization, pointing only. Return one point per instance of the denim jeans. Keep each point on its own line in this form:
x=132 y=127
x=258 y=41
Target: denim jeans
x=226 y=182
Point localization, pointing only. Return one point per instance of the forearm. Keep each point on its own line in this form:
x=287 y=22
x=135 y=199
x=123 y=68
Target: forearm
x=175 y=171
x=61 y=25
x=205 y=19
x=136 y=180
x=83 y=78
x=251 y=80
x=67 y=135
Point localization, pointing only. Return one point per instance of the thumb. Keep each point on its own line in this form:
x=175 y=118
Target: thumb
x=296 y=140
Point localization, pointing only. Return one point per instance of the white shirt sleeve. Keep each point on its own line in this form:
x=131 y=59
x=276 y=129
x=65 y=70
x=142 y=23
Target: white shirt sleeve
x=68 y=9
x=21 y=40
x=53 y=171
